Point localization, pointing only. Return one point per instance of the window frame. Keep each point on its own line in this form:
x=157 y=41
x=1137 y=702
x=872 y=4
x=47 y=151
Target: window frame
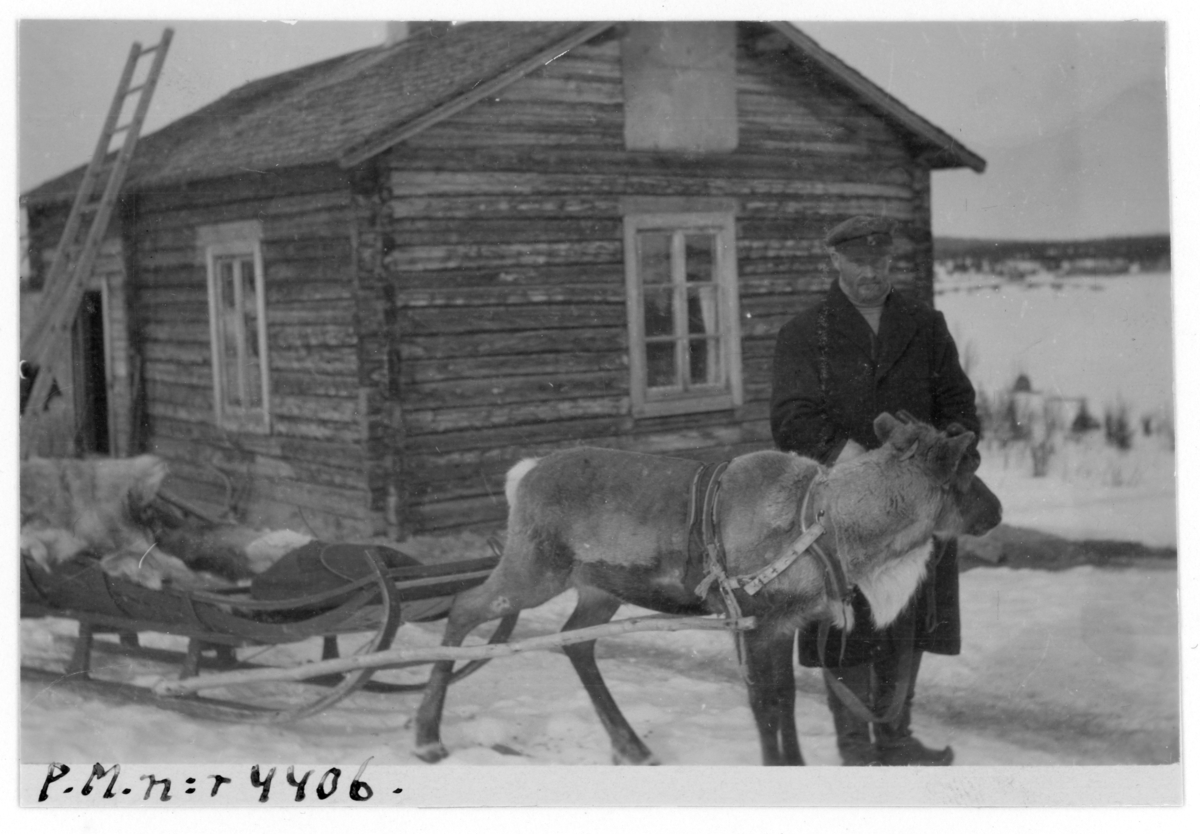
x=679 y=216
x=236 y=240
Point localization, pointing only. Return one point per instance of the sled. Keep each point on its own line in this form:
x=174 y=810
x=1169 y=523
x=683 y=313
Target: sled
x=219 y=624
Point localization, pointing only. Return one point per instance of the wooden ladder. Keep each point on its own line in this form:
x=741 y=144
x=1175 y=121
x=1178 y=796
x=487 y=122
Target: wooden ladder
x=47 y=345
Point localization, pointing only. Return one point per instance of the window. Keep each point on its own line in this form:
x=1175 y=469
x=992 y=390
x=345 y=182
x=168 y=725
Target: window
x=237 y=317
x=681 y=281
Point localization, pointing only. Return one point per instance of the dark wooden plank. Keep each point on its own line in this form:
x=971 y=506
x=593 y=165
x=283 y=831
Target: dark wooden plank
x=436 y=421
x=505 y=296
x=501 y=255
x=434 y=345
x=511 y=389
x=441 y=369
x=525 y=318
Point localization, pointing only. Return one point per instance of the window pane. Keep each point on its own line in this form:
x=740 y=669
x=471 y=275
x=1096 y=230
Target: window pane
x=702 y=311
x=705 y=362
x=660 y=365
x=654 y=253
x=660 y=311
x=228 y=327
x=251 y=369
x=700 y=257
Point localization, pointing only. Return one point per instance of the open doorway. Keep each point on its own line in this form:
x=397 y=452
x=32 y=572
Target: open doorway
x=91 y=376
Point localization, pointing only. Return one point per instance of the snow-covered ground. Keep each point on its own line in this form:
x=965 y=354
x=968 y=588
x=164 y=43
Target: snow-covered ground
x=1071 y=667
x=1105 y=338
x=1052 y=672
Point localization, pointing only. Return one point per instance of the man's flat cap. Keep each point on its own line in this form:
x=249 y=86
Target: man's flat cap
x=862 y=231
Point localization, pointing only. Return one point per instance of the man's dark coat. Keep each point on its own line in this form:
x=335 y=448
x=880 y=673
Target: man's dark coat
x=832 y=378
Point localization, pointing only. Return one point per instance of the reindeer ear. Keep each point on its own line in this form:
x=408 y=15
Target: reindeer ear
x=968 y=465
x=885 y=424
x=950 y=452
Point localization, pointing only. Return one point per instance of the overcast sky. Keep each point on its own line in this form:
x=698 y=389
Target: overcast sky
x=1070 y=116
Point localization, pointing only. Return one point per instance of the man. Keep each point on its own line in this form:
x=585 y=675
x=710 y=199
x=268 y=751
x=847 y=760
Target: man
x=863 y=350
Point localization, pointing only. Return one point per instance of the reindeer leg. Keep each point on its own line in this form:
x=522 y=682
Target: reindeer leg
x=772 y=697
x=505 y=591
x=596 y=607
x=785 y=694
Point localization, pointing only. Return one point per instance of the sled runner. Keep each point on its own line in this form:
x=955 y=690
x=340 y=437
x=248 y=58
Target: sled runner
x=364 y=600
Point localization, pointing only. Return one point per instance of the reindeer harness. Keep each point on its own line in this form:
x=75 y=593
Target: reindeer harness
x=704 y=535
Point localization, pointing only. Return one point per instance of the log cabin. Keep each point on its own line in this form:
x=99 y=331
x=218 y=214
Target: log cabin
x=348 y=297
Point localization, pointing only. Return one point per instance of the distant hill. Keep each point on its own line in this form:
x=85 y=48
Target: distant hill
x=1148 y=252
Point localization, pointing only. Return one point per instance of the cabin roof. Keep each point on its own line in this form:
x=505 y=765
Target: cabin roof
x=346 y=109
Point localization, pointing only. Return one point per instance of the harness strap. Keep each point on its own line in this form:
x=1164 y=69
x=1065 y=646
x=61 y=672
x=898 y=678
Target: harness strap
x=899 y=695
x=754 y=583
x=703 y=514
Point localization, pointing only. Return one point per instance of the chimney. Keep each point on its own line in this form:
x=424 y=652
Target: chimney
x=408 y=30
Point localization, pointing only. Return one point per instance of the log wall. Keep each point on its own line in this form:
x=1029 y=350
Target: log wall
x=309 y=473
x=502 y=256
x=459 y=302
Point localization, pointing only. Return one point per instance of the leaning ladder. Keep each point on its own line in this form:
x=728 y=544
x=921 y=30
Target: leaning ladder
x=47 y=345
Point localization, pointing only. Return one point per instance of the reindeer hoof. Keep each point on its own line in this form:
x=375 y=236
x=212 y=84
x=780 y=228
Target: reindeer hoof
x=646 y=758
x=431 y=753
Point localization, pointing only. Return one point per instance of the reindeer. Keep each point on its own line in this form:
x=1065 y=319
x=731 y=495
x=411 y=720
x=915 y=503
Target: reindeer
x=615 y=526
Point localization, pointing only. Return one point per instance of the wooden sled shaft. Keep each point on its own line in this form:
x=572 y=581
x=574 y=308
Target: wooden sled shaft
x=550 y=642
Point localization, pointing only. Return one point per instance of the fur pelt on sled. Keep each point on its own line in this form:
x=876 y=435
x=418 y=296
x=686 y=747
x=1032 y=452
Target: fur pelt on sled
x=104 y=509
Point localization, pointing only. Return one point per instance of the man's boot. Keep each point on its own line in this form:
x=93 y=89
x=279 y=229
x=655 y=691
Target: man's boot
x=853 y=733
x=894 y=741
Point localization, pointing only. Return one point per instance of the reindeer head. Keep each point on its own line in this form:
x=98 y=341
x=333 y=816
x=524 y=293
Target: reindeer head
x=948 y=459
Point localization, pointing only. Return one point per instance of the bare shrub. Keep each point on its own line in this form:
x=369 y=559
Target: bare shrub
x=1117 y=429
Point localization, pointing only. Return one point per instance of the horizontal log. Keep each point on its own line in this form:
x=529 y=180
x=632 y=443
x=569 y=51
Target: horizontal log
x=512 y=389
x=453 y=483
x=524 y=435
x=342 y=361
x=423 y=172
x=465 y=472
x=311 y=336
x=523 y=317
x=195 y=332
x=174 y=229
x=189 y=437
x=160 y=411
x=392 y=657
x=442 y=369
x=442 y=516
x=230 y=458
x=307 y=427
x=547 y=88
x=505 y=296
x=463 y=279
x=298 y=182
x=198 y=396
x=503 y=256
x=501 y=343
x=346 y=502
x=431 y=421
x=526 y=207
x=448 y=136
x=420 y=231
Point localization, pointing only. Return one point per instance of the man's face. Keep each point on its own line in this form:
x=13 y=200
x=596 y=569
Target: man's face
x=863 y=274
